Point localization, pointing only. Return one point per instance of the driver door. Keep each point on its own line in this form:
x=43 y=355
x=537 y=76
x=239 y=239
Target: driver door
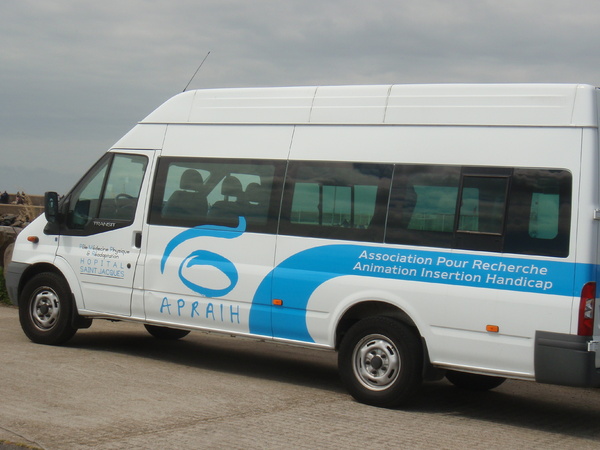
x=101 y=237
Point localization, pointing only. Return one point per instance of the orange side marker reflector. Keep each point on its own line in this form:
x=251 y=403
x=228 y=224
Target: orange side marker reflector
x=492 y=328
x=33 y=239
x=277 y=302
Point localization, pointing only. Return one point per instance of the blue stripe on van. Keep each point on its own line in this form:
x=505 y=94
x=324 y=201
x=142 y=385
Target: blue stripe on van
x=296 y=278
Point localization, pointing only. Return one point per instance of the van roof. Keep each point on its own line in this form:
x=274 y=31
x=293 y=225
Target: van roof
x=433 y=104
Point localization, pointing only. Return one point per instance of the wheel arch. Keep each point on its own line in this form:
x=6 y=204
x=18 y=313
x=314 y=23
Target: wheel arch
x=45 y=267
x=34 y=270
x=370 y=308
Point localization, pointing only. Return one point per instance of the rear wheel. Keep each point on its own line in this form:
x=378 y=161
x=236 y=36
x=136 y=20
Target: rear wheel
x=46 y=309
x=473 y=381
x=381 y=361
x=169 y=334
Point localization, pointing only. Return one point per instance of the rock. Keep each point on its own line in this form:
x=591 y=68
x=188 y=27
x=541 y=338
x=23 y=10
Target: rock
x=7 y=220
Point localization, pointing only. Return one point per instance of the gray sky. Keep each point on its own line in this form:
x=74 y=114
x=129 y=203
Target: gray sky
x=76 y=75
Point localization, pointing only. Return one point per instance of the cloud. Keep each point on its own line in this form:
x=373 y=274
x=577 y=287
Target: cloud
x=75 y=76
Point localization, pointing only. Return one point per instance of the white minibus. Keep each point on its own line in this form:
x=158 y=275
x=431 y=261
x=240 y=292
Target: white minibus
x=420 y=231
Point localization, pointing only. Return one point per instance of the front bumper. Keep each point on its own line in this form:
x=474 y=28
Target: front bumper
x=12 y=275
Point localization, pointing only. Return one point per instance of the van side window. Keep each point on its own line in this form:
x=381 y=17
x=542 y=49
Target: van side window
x=336 y=200
x=523 y=211
x=423 y=205
x=539 y=212
x=482 y=208
x=483 y=200
x=190 y=192
x=109 y=192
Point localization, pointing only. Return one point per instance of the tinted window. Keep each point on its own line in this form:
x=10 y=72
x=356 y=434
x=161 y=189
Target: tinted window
x=539 y=212
x=483 y=200
x=109 y=192
x=482 y=208
x=473 y=208
x=336 y=200
x=499 y=209
x=423 y=205
x=191 y=192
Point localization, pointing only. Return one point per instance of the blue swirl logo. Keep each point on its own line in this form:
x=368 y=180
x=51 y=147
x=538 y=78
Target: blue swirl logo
x=205 y=257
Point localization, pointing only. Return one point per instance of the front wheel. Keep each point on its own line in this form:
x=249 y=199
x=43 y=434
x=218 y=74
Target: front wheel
x=381 y=361
x=46 y=310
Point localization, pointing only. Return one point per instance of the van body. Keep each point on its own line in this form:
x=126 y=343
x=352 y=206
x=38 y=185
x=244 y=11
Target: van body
x=418 y=230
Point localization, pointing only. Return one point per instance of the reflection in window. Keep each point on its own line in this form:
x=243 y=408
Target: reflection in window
x=434 y=208
x=523 y=211
x=123 y=187
x=333 y=206
x=482 y=204
x=84 y=201
x=543 y=218
x=539 y=212
x=110 y=191
x=423 y=205
x=333 y=199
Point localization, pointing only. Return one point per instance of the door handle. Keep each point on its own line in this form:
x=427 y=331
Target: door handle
x=138 y=239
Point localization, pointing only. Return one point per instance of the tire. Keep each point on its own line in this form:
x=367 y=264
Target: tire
x=165 y=333
x=381 y=362
x=46 y=310
x=473 y=381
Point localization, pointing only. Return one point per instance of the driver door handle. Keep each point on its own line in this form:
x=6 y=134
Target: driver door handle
x=138 y=239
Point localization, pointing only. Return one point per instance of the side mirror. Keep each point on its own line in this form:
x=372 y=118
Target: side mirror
x=52 y=213
x=51 y=207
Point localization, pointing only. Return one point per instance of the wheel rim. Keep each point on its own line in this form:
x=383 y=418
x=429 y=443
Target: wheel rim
x=45 y=309
x=376 y=362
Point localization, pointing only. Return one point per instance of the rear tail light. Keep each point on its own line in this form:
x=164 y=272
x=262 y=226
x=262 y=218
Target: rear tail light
x=586 y=310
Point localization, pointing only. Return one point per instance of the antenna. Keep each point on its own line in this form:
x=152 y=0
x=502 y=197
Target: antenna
x=187 y=85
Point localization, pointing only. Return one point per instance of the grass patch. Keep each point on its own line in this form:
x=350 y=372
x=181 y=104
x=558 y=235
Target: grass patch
x=3 y=294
